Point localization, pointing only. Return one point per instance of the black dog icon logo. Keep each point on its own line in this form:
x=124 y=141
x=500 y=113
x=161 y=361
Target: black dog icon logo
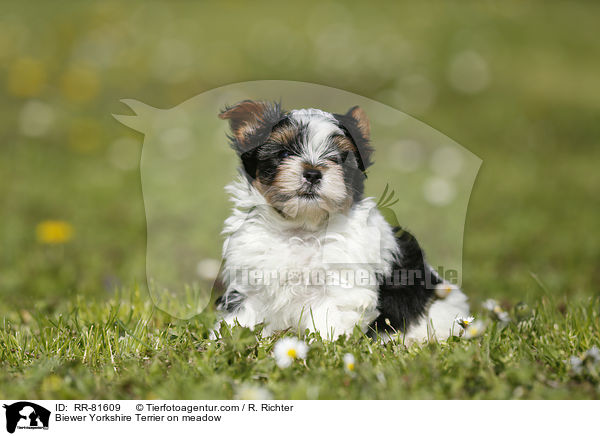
x=26 y=415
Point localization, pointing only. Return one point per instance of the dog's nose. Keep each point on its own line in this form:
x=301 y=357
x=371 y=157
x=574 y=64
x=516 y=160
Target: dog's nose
x=312 y=175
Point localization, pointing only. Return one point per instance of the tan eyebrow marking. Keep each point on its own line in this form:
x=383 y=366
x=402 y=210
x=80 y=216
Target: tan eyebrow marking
x=284 y=135
x=344 y=143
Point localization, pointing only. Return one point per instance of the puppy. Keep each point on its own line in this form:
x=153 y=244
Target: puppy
x=305 y=250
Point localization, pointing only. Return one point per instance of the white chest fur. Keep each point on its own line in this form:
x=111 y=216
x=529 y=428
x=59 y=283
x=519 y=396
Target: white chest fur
x=322 y=279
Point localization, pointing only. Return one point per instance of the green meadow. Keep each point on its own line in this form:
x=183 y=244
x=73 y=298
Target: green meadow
x=515 y=84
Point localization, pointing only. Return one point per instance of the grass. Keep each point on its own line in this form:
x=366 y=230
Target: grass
x=76 y=320
x=126 y=349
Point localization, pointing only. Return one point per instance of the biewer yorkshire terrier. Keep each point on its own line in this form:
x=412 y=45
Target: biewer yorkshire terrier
x=305 y=250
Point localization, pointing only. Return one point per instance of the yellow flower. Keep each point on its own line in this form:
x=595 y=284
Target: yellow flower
x=54 y=232
x=26 y=77
x=80 y=83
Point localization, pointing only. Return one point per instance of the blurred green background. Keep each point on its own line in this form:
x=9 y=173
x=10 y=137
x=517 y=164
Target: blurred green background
x=517 y=83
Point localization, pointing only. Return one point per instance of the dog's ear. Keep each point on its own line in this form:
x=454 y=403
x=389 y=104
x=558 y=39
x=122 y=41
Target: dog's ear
x=250 y=121
x=356 y=125
x=362 y=121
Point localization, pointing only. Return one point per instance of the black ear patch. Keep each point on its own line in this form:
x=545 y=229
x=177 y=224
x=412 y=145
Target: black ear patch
x=356 y=126
x=250 y=162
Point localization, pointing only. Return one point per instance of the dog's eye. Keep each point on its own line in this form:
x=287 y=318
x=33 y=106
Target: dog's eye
x=283 y=154
x=339 y=159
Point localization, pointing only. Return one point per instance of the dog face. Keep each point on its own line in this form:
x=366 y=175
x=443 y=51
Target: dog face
x=306 y=163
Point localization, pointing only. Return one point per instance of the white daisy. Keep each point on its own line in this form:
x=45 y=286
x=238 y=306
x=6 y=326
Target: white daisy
x=474 y=329
x=442 y=290
x=288 y=349
x=491 y=305
x=502 y=316
x=496 y=310
x=349 y=362
x=252 y=392
x=464 y=322
x=576 y=364
x=594 y=354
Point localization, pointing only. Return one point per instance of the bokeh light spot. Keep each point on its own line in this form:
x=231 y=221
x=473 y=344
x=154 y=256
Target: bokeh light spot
x=438 y=191
x=80 y=83
x=26 y=77
x=36 y=118
x=406 y=155
x=446 y=161
x=469 y=72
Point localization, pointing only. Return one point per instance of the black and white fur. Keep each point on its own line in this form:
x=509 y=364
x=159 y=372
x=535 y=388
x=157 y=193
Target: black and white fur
x=299 y=207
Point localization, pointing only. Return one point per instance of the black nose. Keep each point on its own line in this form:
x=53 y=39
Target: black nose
x=312 y=175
